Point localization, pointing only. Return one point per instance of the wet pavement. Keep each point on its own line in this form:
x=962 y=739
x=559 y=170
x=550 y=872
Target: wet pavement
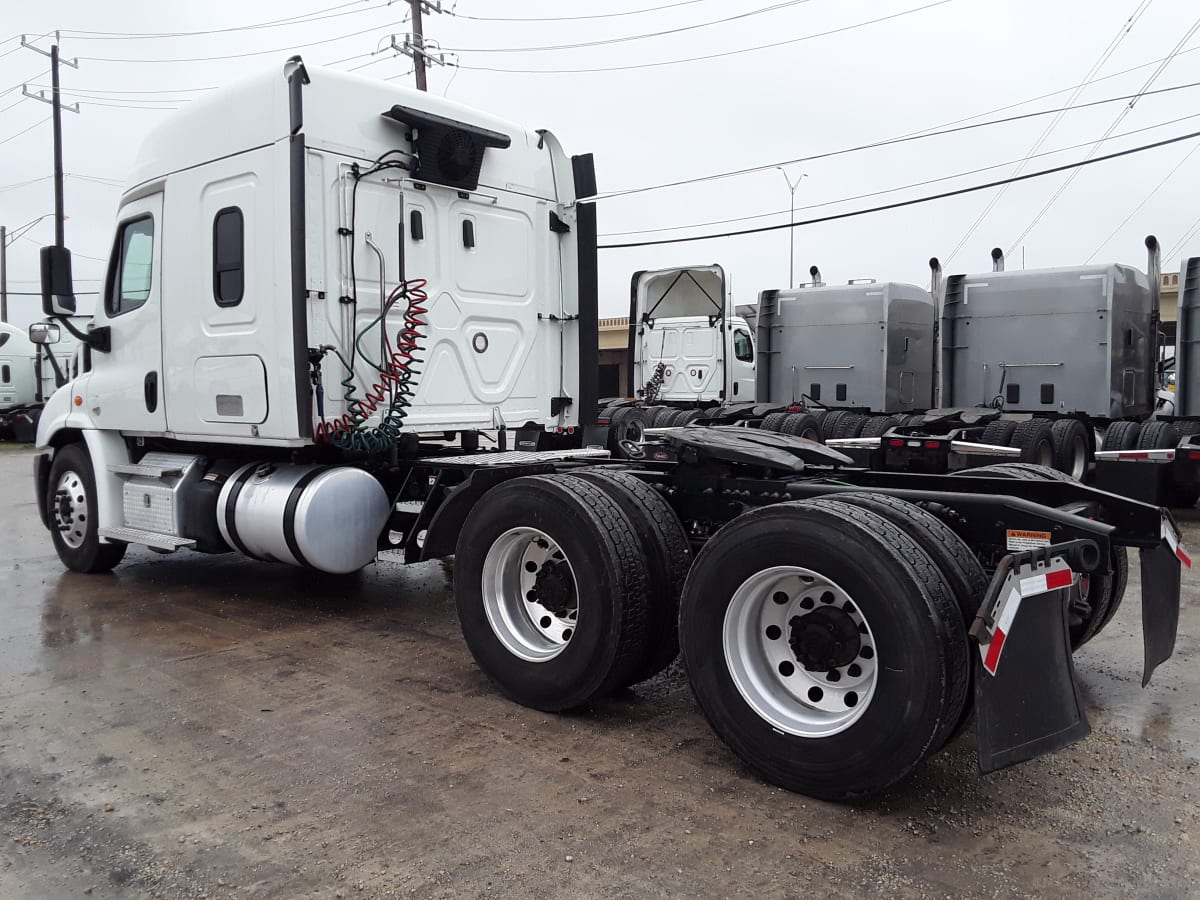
x=196 y=726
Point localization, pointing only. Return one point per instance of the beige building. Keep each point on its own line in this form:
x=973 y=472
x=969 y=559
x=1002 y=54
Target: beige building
x=1169 y=305
x=614 y=357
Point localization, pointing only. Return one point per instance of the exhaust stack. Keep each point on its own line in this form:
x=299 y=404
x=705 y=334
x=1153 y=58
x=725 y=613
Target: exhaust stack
x=997 y=259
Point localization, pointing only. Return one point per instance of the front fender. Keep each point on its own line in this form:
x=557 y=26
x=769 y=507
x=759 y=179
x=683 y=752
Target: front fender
x=61 y=413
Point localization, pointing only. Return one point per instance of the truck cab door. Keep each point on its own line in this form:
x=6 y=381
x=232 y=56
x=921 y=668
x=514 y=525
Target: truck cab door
x=740 y=362
x=124 y=389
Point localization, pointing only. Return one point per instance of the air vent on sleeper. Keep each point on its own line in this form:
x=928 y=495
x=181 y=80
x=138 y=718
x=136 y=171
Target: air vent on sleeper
x=446 y=151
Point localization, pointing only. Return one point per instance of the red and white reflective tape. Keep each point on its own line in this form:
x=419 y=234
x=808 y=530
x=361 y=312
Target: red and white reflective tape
x=1024 y=582
x=1172 y=538
x=1157 y=456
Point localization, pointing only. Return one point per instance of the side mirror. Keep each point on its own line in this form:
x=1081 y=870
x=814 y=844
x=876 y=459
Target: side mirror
x=58 y=290
x=44 y=333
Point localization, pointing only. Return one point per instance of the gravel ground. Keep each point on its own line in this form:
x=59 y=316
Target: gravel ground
x=195 y=726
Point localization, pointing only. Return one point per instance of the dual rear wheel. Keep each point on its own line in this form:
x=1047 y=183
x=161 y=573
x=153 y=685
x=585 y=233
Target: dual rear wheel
x=825 y=640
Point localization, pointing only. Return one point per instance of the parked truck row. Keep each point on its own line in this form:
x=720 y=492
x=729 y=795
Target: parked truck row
x=1057 y=367
x=332 y=305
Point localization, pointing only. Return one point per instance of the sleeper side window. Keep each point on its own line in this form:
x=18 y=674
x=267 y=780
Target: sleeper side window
x=5 y=374
x=229 y=254
x=743 y=349
x=135 y=268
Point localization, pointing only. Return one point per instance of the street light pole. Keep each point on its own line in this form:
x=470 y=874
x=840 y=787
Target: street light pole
x=792 y=223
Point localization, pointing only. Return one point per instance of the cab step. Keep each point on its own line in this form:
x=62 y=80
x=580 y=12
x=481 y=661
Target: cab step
x=151 y=539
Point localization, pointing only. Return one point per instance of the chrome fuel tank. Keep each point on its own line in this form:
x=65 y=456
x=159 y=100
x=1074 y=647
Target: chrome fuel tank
x=305 y=515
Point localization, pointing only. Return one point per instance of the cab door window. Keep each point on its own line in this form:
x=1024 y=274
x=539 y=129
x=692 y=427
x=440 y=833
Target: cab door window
x=743 y=349
x=129 y=282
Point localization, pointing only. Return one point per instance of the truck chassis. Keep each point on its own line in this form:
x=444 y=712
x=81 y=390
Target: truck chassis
x=838 y=625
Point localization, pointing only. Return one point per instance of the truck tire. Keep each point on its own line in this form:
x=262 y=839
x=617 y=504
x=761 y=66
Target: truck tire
x=519 y=607
x=628 y=423
x=689 y=416
x=1072 y=451
x=1158 y=436
x=1117 y=591
x=1032 y=471
x=653 y=413
x=950 y=552
x=998 y=433
x=774 y=421
x=964 y=574
x=878 y=426
x=828 y=422
x=802 y=425
x=850 y=425
x=74 y=517
x=1122 y=436
x=669 y=554
x=1184 y=496
x=768 y=693
x=1186 y=427
x=1035 y=440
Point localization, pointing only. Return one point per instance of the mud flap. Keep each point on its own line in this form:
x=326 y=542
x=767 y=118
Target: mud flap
x=1160 y=598
x=1026 y=700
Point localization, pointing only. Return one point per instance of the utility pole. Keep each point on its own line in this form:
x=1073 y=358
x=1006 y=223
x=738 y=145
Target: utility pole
x=419 y=41
x=3 y=274
x=55 y=101
x=415 y=44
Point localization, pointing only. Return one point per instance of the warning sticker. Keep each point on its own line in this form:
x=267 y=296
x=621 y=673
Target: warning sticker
x=1027 y=540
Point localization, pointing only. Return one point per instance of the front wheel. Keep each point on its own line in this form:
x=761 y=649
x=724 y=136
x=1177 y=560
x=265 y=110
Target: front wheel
x=72 y=507
x=824 y=646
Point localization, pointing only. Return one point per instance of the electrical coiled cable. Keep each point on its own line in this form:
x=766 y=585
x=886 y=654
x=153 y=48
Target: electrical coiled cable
x=394 y=390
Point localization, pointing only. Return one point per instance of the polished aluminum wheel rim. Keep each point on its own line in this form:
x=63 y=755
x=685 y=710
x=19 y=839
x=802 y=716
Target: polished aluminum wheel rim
x=766 y=669
x=521 y=563
x=70 y=508
x=1079 y=457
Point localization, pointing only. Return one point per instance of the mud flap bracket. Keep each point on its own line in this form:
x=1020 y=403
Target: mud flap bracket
x=1027 y=703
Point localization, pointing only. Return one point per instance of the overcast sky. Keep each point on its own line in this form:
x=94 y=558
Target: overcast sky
x=929 y=64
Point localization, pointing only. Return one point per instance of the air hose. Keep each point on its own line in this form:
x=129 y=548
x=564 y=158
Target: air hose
x=393 y=391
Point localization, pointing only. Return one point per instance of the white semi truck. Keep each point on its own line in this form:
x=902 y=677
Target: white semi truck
x=29 y=373
x=691 y=357
x=322 y=289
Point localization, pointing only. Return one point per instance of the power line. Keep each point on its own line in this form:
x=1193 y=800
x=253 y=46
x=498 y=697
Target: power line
x=1108 y=51
x=1111 y=128
x=314 y=16
x=913 y=202
x=82 y=92
x=126 y=105
x=1145 y=200
x=720 y=55
x=632 y=12
x=24 y=130
x=905 y=187
x=632 y=37
x=917 y=136
x=1188 y=235
x=342 y=37
x=24 y=81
